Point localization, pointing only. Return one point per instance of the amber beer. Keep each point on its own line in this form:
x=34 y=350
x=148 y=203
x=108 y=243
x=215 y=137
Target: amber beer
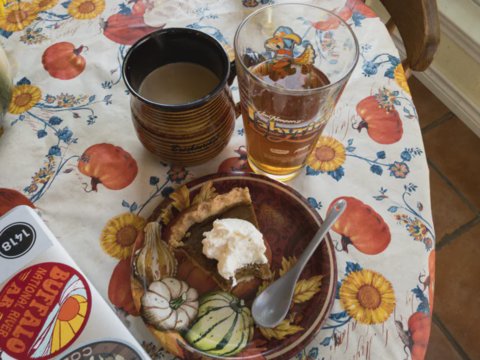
x=283 y=127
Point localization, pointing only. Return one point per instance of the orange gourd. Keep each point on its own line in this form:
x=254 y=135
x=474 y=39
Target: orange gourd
x=109 y=165
x=383 y=125
x=119 y=288
x=63 y=61
x=362 y=227
x=419 y=325
x=10 y=198
x=126 y=29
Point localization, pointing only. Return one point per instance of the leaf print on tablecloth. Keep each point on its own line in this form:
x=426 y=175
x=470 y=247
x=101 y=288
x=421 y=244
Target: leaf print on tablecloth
x=9 y=198
x=108 y=165
x=414 y=222
x=27 y=102
x=361 y=226
x=281 y=331
x=63 y=61
x=306 y=289
x=367 y=296
x=330 y=154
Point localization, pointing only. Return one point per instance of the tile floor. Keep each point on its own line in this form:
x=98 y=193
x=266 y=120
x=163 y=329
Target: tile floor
x=453 y=153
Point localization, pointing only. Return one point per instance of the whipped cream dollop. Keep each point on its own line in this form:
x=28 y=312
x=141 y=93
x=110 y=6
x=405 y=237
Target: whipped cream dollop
x=234 y=243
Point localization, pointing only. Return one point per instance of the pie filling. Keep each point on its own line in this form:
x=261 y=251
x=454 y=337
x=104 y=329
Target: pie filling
x=187 y=231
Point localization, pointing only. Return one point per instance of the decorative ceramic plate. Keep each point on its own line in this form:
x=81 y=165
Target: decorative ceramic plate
x=188 y=312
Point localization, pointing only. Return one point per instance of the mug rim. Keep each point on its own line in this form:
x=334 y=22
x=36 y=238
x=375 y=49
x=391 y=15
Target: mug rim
x=185 y=106
x=281 y=90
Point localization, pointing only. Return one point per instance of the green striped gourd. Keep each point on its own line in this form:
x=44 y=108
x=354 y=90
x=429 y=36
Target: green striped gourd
x=224 y=325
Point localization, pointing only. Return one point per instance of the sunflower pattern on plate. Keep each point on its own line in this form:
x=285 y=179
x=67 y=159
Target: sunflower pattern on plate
x=50 y=124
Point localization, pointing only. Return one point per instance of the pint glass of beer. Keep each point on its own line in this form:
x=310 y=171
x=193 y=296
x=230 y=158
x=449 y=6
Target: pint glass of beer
x=293 y=61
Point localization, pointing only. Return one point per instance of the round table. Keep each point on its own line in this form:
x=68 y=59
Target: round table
x=69 y=101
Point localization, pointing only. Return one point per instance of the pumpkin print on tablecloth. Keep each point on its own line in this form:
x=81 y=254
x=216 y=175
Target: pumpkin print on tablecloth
x=108 y=165
x=417 y=335
x=367 y=296
x=361 y=226
x=380 y=118
x=125 y=29
x=63 y=61
x=236 y=164
x=119 y=235
x=17 y=16
x=119 y=289
x=24 y=97
x=431 y=279
x=10 y=198
x=352 y=8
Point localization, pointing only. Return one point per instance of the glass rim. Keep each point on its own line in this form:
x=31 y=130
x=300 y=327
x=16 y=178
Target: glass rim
x=278 y=89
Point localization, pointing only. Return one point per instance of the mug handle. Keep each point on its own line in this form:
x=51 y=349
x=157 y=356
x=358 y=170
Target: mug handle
x=231 y=77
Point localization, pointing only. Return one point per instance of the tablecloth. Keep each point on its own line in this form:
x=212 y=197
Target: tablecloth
x=68 y=97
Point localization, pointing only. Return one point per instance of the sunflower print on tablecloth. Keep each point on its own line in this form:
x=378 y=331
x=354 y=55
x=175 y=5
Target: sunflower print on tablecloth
x=328 y=155
x=400 y=78
x=119 y=234
x=367 y=297
x=24 y=97
x=17 y=16
x=42 y=5
x=86 y=9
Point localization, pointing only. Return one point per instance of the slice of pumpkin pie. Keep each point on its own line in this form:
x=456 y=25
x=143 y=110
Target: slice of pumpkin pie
x=221 y=236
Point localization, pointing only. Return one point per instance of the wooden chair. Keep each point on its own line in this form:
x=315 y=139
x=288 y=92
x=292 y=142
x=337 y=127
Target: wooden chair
x=418 y=24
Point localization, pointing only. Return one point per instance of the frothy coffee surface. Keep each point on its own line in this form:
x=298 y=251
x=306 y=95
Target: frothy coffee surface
x=178 y=83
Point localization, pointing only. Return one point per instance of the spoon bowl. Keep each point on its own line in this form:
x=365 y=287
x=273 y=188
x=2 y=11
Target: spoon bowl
x=272 y=305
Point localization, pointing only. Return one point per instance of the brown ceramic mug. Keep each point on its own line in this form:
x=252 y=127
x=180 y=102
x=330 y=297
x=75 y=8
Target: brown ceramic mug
x=189 y=133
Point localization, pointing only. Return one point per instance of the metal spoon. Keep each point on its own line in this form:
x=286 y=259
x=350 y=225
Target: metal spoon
x=271 y=306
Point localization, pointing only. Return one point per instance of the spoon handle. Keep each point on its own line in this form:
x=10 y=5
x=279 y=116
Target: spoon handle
x=332 y=216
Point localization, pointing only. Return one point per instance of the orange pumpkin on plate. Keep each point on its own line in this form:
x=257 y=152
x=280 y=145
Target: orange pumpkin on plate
x=362 y=227
x=10 y=198
x=108 y=165
x=63 y=61
x=383 y=125
x=119 y=288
